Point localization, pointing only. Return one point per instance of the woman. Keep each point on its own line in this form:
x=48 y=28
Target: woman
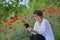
x=42 y=29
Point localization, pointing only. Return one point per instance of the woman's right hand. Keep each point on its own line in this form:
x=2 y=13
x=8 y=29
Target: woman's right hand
x=29 y=29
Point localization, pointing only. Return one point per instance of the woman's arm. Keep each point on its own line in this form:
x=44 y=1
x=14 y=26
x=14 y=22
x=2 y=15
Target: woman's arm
x=30 y=30
x=34 y=31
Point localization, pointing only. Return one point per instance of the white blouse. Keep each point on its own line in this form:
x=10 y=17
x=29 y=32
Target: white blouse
x=44 y=29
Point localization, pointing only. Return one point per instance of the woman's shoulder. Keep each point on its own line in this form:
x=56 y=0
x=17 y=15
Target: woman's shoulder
x=36 y=22
x=45 y=21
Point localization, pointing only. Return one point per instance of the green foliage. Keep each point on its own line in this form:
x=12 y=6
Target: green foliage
x=10 y=9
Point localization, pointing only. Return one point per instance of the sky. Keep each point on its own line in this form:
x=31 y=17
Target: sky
x=25 y=2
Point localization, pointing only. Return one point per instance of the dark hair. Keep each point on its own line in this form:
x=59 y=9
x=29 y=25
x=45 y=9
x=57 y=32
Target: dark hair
x=38 y=12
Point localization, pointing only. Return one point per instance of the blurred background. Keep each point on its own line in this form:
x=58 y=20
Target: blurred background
x=14 y=13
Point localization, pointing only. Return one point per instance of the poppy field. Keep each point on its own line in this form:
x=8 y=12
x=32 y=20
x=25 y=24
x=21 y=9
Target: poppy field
x=13 y=16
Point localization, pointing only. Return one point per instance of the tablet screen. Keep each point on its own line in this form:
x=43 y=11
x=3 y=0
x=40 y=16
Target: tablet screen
x=26 y=25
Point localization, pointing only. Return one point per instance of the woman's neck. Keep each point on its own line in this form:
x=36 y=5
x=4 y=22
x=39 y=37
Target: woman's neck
x=40 y=21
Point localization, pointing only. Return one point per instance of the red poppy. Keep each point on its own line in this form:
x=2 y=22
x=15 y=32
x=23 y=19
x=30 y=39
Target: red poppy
x=5 y=20
x=14 y=30
x=50 y=10
x=11 y=21
x=14 y=18
x=6 y=25
x=43 y=10
x=23 y=20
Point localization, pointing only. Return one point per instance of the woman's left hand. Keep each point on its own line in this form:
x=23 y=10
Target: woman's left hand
x=29 y=29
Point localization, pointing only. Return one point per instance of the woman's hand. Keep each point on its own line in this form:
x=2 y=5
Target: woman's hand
x=29 y=29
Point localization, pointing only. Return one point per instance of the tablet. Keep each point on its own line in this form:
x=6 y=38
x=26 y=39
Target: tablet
x=26 y=25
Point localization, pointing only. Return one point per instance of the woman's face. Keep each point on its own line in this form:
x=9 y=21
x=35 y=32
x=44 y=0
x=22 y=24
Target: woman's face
x=37 y=18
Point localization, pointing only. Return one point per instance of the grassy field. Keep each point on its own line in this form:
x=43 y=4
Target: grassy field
x=12 y=19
